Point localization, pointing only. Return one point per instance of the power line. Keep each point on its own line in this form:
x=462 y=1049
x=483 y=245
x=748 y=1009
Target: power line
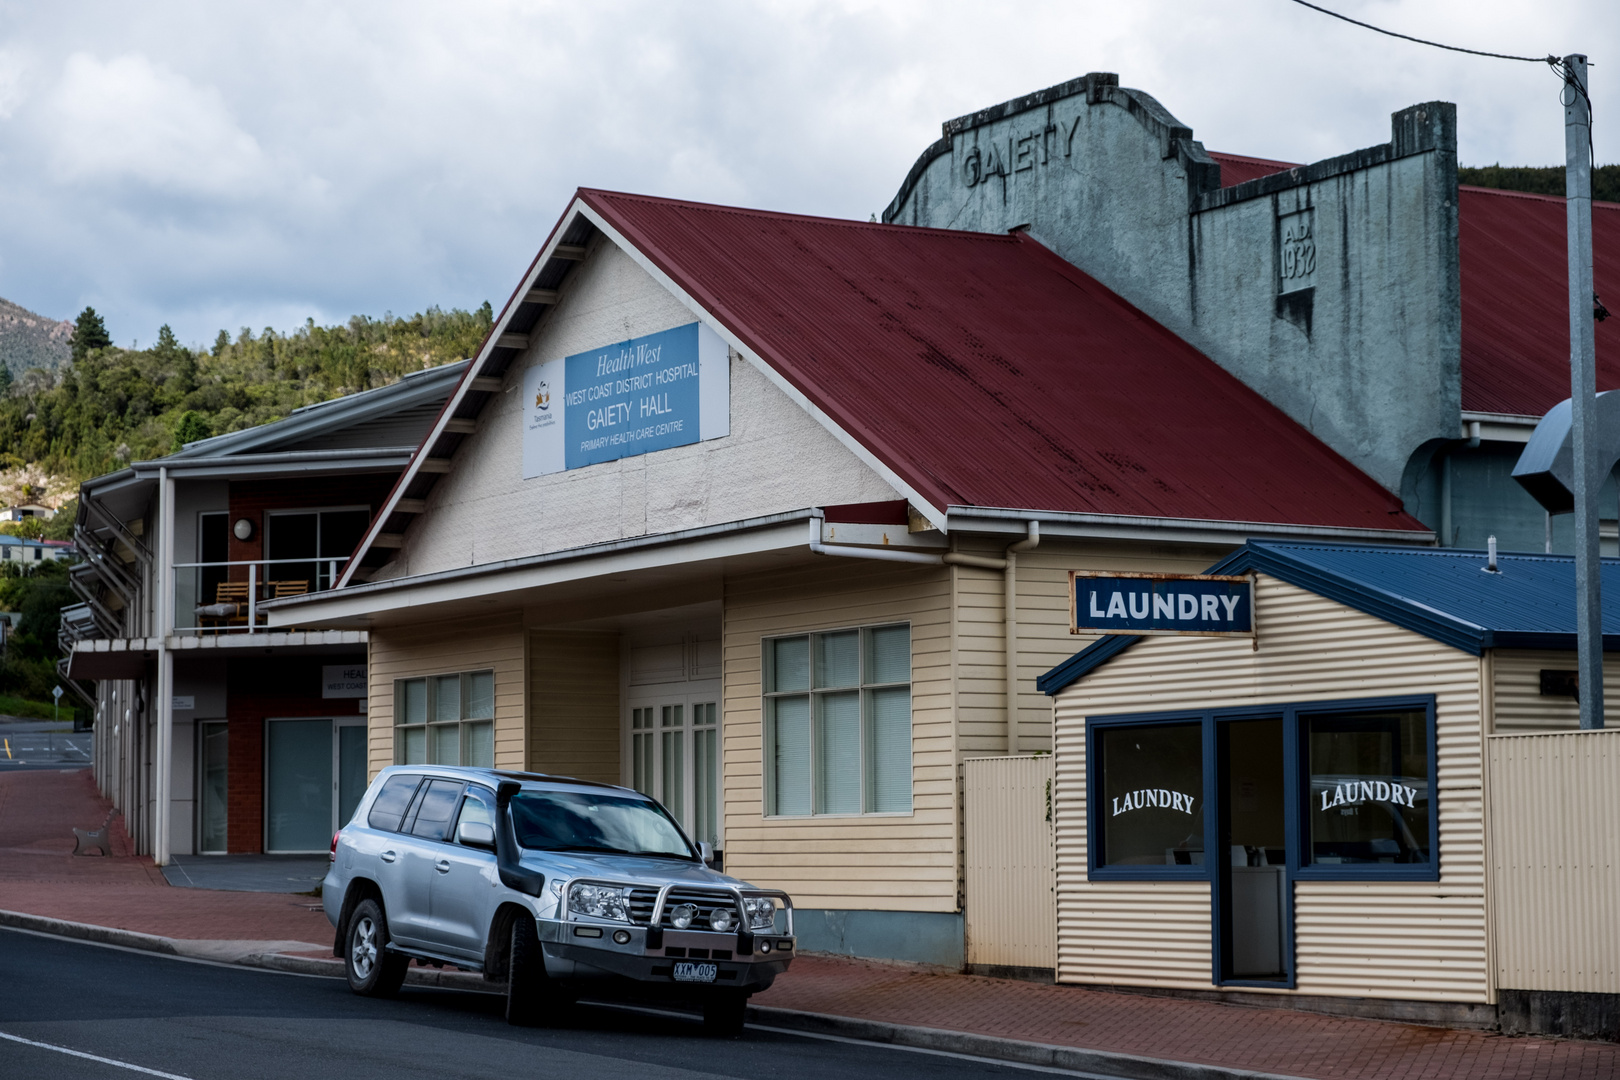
x=1548 y=59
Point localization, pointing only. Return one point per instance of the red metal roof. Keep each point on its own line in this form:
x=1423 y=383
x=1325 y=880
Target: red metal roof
x=1515 y=299
x=1235 y=168
x=986 y=371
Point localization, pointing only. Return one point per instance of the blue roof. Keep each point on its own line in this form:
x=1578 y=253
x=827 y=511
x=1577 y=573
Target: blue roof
x=1442 y=593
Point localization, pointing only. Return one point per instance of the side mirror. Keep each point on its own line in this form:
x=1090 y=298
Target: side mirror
x=476 y=834
x=706 y=852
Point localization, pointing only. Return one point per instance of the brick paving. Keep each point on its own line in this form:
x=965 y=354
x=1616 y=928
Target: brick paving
x=39 y=875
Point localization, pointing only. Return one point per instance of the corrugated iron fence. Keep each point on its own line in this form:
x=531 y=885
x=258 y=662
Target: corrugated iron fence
x=1555 y=860
x=1009 y=861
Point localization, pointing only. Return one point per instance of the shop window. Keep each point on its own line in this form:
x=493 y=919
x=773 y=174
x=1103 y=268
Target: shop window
x=838 y=722
x=1370 y=795
x=445 y=720
x=1151 y=779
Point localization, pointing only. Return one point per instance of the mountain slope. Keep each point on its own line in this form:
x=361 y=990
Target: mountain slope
x=28 y=340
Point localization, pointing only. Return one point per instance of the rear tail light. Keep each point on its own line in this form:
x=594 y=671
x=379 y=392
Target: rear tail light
x=332 y=856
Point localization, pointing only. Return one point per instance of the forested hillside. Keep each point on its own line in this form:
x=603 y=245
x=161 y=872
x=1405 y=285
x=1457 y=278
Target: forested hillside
x=109 y=406
x=28 y=340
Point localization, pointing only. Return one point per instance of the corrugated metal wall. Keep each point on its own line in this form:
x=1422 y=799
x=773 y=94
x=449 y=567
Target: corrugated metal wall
x=1417 y=940
x=1518 y=704
x=1555 y=860
x=1009 y=879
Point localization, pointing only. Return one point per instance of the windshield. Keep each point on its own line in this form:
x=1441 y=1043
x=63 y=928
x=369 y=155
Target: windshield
x=573 y=821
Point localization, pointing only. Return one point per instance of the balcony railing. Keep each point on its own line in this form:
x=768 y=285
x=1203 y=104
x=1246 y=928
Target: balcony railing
x=224 y=597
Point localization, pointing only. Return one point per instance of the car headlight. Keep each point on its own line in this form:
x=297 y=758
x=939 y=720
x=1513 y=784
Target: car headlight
x=722 y=919
x=681 y=915
x=600 y=901
x=761 y=912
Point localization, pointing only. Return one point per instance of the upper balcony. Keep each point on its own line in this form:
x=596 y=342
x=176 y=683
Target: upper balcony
x=224 y=597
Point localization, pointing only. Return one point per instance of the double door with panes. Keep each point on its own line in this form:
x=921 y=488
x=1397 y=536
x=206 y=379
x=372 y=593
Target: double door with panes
x=675 y=755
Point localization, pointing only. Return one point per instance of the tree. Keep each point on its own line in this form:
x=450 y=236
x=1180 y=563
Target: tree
x=5 y=379
x=89 y=332
x=193 y=426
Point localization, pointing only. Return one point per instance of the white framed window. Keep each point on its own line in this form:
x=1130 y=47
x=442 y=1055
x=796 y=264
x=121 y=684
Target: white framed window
x=445 y=719
x=837 y=715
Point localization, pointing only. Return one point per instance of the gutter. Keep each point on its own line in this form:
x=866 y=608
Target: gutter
x=992 y=519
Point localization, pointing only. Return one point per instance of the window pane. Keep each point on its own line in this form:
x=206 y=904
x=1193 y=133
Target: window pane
x=673 y=715
x=477 y=809
x=703 y=714
x=642 y=764
x=1152 y=809
x=888 y=654
x=479 y=744
x=481 y=695
x=341 y=531
x=672 y=785
x=790 y=737
x=706 y=783
x=1369 y=797
x=838 y=659
x=790 y=664
x=447 y=698
x=446 y=739
x=391 y=802
x=414 y=708
x=438 y=804
x=839 y=754
x=413 y=746
x=888 y=747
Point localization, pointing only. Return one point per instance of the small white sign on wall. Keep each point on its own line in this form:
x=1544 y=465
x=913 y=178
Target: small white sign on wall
x=187 y=703
x=343 y=681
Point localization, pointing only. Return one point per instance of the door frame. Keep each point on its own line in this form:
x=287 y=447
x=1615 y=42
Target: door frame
x=336 y=722
x=1217 y=828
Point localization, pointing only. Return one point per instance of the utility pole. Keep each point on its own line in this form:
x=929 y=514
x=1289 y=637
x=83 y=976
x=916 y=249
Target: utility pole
x=1583 y=389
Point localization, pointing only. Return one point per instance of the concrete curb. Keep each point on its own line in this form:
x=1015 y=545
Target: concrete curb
x=1125 y=1066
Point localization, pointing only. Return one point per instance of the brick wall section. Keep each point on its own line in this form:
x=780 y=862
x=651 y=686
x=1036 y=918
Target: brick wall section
x=262 y=688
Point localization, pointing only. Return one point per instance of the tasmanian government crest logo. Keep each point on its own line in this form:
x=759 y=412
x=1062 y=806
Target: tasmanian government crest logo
x=542 y=397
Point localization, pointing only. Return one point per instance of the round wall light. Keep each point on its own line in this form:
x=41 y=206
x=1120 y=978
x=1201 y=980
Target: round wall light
x=243 y=529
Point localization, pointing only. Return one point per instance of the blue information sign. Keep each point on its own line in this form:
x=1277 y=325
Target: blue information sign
x=634 y=397
x=1206 y=605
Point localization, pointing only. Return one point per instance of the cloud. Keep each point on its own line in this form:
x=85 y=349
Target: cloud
x=215 y=165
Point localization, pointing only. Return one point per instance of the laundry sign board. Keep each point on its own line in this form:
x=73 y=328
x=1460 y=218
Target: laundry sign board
x=662 y=390
x=1203 y=605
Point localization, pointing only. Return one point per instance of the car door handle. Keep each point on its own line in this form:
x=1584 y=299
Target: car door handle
x=442 y=866
x=388 y=856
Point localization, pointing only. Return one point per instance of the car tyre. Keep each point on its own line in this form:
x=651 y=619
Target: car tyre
x=373 y=971
x=530 y=997
x=724 y=1012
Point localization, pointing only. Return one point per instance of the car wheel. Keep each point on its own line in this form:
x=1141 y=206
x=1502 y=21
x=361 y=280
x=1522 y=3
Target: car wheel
x=724 y=1011
x=530 y=995
x=373 y=971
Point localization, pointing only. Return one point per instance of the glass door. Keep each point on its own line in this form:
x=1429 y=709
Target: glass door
x=1253 y=912
x=675 y=758
x=315 y=774
x=213 y=772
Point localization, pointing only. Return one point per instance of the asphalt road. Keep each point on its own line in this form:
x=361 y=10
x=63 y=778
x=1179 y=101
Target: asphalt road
x=41 y=744
x=102 y=1013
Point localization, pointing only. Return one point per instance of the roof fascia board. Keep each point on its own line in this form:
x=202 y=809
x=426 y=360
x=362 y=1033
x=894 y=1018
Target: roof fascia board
x=716 y=322
x=330 y=415
x=1006 y=521
x=293 y=462
x=757 y=536
x=486 y=349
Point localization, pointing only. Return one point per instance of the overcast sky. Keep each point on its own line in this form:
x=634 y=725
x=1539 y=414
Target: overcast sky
x=225 y=165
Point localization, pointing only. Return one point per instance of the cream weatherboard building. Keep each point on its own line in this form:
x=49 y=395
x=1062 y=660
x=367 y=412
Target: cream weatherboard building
x=772 y=517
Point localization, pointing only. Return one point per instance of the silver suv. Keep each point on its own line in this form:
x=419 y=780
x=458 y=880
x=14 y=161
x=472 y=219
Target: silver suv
x=558 y=887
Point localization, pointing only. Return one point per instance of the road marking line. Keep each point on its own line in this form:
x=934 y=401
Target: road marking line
x=8 y=748
x=94 y=1057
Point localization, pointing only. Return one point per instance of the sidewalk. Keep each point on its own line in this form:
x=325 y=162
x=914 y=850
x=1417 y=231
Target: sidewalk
x=38 y=875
